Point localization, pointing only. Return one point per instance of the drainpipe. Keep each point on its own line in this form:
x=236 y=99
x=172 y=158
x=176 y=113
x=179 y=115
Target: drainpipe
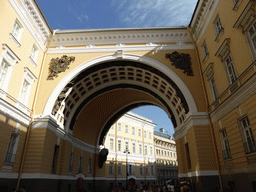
x=23 y=155
x=207 y=110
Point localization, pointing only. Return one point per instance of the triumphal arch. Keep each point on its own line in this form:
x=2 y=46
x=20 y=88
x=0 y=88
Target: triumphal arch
x=61 y=90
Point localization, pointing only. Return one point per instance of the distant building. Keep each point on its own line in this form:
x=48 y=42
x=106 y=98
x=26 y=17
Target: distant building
x=166 y=157
x=133 y=134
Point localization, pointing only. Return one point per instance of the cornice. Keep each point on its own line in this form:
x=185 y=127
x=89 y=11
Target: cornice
x=110 y=37
x=92 y=49
x=50 y=123
x=199 y=119
x=36 y=17
x=200 y=14
x=203 y=15
x=14 y=113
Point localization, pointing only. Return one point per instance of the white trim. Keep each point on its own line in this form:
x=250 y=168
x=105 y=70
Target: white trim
x=199 y=174
x=15 y=40
x=10 y=53
x=176 y=79
x=199 y=119
x=11 y=58
x=14 y=113
x=50 y=123
x=201 y=31
x=119 y=49
x=8 y=175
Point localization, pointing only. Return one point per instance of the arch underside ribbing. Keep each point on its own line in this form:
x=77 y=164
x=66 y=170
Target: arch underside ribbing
x=120 y=75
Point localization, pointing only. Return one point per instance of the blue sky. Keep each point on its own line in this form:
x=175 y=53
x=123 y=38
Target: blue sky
x=96 y=14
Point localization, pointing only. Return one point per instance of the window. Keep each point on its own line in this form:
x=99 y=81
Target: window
x=146 y=150
x=133 y=130
x=112 y=127
x=145 y=134
x=152 y=169
x=71 y=162
x=252 y=36
x=188 y=156
x=26 y=86
x=205 y=51
x=126 y=129
x=3 y=70
x=249 y=143
x=119 y=168
x=111 y=143
x=7 y=62
x=24 y=90
x=213 y=87
x=217 y=27
x=12 y=147
x=140 y=149
x=90 y=165
x=119 y=127
x=119 y=145
x=134 y=148
x=34 y=55
x=139 y=132
x=225 y=144
x=150 y=135
x=80 y=169
x=127 y=145
x=55 y=158
x=151 y=151
x=110 y=168
x=141 y=169
x=230 y=70
x=147 y=171
x=16 y=32
x=131 y=169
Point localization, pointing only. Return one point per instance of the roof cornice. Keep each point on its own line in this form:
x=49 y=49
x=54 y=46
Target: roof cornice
x=120 y=36
x=37 y=18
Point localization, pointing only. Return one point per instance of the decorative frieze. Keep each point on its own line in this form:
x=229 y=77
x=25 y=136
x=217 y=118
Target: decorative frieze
x=119 y=37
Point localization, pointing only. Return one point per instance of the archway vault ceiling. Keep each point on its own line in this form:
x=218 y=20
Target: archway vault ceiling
x=107 y=76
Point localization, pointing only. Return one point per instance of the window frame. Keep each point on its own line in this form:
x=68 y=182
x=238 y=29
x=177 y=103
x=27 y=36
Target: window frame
x=140 y=149
x=205 y=51
x=249 y=148
x=16 y=35
x=225 y=144
x=29 y=77
x=34 y=55
x=119 y=145
x=11 y=148
x=119 y=127
x=231 y=64
x=126 y=129
x=11 y=58
x=133 y=130
x=111 y=143
x=218 y=27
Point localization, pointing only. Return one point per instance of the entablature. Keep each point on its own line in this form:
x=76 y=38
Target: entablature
x=120 y=37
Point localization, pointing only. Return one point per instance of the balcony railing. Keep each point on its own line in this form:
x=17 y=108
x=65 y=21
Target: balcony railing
x=250 y=147
x=226 y=154
x=9 y=158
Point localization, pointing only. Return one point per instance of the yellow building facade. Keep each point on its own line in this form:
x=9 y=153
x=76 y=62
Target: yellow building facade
x=166 y=157
x=62 y=90
x=130 y=142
